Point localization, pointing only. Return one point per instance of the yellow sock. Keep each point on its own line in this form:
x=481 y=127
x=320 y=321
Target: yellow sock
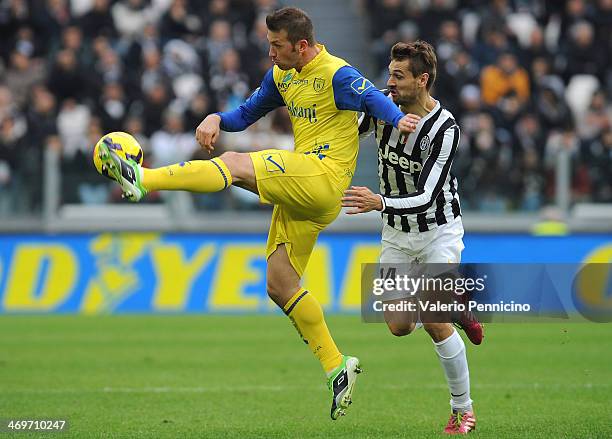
x=307 y=316
x=194 y=176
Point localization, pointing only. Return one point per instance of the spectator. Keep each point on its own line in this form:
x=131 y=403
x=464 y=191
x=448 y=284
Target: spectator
x=529 y=135
x=179 y=21
x=536 y=48
x=172 y=144
x=153 y=72
x=503 y=78
x=459 y=71
x=7 y=103
x=219 y=40
x=22 y=74
x=583 y=54
x=72 y=39
x=531 y=185
x=575 y=11
x=67 y=78
x=72 y=123
x=433 y=20
x=552 y=109
x=98 y=21
x=228 y=83
x=199 y=106
x=12 y=133
x=112 y=108
x=131 y=17
x=90 y=189
x=449 y=41
x=597 y=155
x=386 y=15
x=216 y=10
x=134 y=52
x=255 y=55
x=492 y=45
x=49 y=18
x=42 y=118
x=13 y=16
x=155 y=102
x=598 y=117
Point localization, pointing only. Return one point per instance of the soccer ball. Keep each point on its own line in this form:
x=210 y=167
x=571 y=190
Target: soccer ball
x=123 y=144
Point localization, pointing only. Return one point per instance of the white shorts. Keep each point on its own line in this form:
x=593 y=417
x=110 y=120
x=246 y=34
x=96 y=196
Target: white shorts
x=442 y=245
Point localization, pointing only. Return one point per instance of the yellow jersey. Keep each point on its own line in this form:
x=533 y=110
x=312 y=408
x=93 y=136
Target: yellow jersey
x=322 y=100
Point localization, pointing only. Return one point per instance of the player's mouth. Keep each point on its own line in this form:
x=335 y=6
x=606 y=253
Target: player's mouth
x=393 y=93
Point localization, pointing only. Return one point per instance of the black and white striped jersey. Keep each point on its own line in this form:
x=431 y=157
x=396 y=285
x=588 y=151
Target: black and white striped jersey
x=418 y=190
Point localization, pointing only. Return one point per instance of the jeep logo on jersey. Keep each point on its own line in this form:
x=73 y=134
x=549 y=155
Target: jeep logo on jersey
x=425 y=142
x=318 y=84
x=400 y=160
x=303 y=112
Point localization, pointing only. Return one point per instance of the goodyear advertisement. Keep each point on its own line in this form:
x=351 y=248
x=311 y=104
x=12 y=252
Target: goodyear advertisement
x=198 y=273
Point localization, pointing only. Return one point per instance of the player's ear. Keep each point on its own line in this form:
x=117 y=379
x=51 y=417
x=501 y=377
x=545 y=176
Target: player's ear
x=302 y=45
x=423 y=80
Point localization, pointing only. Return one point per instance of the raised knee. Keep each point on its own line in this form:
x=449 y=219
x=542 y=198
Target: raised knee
x=238 y=163
x=231 y=159
x=400 y=329
x=229 y=156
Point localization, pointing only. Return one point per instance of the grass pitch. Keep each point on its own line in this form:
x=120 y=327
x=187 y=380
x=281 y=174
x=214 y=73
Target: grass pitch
x=251 y=376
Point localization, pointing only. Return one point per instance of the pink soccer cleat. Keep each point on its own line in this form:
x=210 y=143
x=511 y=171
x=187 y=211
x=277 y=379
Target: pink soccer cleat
x=461 y=423
x=468 y=322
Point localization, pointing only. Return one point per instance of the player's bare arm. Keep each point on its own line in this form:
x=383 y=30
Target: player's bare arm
x=361 y=200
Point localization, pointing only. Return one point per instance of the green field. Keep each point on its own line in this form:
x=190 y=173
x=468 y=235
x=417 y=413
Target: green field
x=246 y=376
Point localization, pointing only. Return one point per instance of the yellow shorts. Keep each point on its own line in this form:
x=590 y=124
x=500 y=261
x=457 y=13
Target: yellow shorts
x=305 y=199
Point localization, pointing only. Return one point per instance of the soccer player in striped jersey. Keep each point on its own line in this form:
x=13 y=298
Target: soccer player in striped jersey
x=420 y=207
x=322 y=94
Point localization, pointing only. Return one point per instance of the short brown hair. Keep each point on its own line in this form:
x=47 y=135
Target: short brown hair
x=293 y=20
x=422 y=58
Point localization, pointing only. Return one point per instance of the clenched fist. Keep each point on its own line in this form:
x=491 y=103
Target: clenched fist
x=208 y=132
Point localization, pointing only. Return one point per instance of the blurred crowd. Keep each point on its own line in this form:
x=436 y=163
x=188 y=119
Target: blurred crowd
x=71 y=71
x=526 y=80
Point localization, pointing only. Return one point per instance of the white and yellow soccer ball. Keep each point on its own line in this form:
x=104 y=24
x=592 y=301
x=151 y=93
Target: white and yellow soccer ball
x=123 y=144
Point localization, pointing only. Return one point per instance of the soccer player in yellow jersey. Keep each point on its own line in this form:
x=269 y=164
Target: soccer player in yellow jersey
x=322 y=94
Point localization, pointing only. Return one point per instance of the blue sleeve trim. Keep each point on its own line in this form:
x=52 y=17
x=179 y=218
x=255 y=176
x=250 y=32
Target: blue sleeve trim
x=263 y=100
x=352 y=91
x=382 y=108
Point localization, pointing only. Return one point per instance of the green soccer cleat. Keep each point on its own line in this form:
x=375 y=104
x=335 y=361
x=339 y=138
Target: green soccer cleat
x=126 y=172
x=341 y=383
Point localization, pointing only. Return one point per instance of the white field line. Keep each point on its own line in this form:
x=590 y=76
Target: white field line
x=264 y=388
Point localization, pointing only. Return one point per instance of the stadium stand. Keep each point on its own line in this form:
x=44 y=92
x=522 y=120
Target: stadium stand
x=525 y=80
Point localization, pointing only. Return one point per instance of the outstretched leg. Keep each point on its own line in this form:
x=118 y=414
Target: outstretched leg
x=203 y=175
x=306 y=314
x=195 y=176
